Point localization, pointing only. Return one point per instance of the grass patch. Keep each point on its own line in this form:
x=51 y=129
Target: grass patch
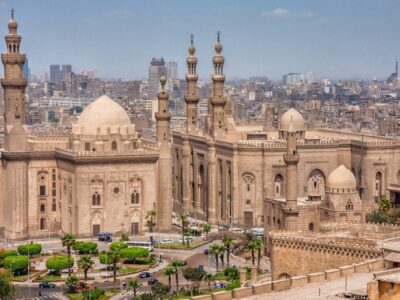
x=94 y=294
x=49 y=278
x=193 y=244
x=20 y=278
x=127 y=270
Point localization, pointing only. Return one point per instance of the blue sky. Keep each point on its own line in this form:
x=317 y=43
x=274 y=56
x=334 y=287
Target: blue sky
x=335 y=39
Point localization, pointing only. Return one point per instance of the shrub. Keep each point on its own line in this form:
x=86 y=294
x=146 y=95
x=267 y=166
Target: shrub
x=233 y=285
x=118 y=245
x=130 y=254
x=85 y=247
x=93 y=294
x=231 y=273
x=16 y=264
x=32 y=249
x=105 y=259
x=58 y=263
x=124 y=238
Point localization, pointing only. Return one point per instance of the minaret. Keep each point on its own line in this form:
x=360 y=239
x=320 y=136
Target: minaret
x=218 y=99
x=191 y=97
x=163 y=116
x=164 y=203
x=291 y=158
x=397 y=66
x=14 y=85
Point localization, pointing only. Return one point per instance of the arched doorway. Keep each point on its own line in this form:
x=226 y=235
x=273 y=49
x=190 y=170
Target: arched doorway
x=378 y=186
x=278 y=186
x=96 y=224
x=316 y=186
x=135 y=223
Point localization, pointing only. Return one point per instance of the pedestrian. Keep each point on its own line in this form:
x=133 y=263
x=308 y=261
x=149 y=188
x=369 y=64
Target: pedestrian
x=40 y=293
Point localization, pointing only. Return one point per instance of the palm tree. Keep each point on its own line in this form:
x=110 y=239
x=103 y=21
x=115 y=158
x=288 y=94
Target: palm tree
x=150 y=223
x=184 y=220
x=176 y=264
x=206 y=229
x=134 y=285
x=68 y=240
x=217 y=250
x=252 y=247
x=169 y=271
x=228 y=243
x=72 y=282
x=85 y=263
x=114 y=256
x=259 y=246
x=208 y=278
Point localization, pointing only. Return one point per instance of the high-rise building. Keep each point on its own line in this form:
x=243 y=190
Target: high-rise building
x=310 y=77
x=26 y=70
x=172 y=67
x=156 y=70
x=134 y=90
x=55 y=74
x=292 y=78
x=90 y=73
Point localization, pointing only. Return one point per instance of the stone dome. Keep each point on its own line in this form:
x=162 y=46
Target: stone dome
x=294 y=117
x=343 y=179
x=103 y=112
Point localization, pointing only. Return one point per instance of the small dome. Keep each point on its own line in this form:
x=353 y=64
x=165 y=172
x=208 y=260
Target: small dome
x=294 y=117
x=192 y=49
x=103 y=112
x=218 y=47
x=342 y=178
x=12 y=24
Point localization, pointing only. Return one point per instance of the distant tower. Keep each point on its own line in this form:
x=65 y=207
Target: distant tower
x=191 y=97
x=15 y=139
x=397 y=66
x=164 y=205
x=291 y=158
x=14 y=85
x=218 y=99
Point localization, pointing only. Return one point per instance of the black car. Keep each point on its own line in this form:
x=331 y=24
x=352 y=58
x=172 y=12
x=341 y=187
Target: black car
x=47 y=285
x=200 y=267
x=206 y=251
x=144 y=274
x=152 y=281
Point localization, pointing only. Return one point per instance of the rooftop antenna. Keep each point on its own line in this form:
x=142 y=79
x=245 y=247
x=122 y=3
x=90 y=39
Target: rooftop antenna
x=12 y=13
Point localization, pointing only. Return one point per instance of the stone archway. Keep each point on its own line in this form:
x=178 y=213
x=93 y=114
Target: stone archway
x=96 y=224
x=135 y=228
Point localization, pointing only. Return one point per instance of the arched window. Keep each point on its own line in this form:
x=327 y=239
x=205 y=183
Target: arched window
x=42 y=223
x=278 y=185
x=311 y=227
x=114 y=146
x=378 y=185
x=135 y=197
x=42 y=208
x=349 y=205
x=96 y=199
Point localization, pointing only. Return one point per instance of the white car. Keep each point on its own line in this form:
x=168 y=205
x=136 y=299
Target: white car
x=166 y=241
x=236 y=230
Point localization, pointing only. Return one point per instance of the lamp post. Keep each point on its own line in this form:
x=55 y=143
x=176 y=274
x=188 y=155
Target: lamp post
x=29 y=263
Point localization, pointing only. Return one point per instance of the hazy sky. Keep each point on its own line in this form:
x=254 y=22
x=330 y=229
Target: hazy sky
x=337 y=39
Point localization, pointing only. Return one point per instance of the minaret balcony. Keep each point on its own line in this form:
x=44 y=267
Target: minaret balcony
x=189 y=99
x=14 y=82
x=291 y=158
x=218 y=101
x=13 y=58
x=161 y=116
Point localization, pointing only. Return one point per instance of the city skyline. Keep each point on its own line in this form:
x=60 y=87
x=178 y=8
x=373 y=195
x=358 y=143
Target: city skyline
x=270 y=38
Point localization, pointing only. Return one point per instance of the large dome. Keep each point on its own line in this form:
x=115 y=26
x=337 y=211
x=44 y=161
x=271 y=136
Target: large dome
x=103 y=112
x=293 y=116
x=342 y=178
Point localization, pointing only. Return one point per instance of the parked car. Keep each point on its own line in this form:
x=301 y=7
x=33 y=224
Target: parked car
x=105 y=237
x=46 y=285
x=183 y=262
x=152 y=281
x=144 y=274
x=236 y=230
x=206 y=251
x=200 y=267
x=166 y=241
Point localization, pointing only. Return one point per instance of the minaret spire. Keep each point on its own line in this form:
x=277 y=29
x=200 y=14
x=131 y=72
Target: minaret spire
x=191 y=97
x=397 y=66
x=218 y=98
x=163 y=116
x=14 y=85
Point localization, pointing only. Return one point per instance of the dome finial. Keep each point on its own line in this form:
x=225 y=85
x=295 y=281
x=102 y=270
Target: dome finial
x=163 y=80
x=12 y=13
x=191 y=39
x=218 y=35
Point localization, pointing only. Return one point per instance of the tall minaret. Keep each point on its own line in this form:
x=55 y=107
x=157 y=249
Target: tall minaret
x=164 y=203
x=14 y=85
x=291 y=158
x=191 y=97
x=397 y=66
x=218 y=99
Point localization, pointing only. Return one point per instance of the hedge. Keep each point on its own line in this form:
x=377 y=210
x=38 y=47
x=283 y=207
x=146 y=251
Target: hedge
x=85 y=247
x=5 y=253
x=16 y=264
x=130 y=254
x=105 y=261
x=118 y=245
x=59 y=263
x=34 y=249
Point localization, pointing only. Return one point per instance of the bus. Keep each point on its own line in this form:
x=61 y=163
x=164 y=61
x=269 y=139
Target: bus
x=146 y=245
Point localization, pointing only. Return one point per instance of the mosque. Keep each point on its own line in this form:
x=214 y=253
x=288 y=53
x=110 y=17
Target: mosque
x=102 y=177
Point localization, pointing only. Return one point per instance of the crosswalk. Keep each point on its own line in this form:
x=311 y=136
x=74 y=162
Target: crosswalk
x=125 y=295
x=55 y=296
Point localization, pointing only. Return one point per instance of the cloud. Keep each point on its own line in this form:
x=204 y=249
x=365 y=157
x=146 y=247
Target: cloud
x=277 y=13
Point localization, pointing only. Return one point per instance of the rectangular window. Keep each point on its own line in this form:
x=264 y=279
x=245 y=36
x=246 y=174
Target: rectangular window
x=53 y=177
x=54 y=193
x=42 y=224
x=54 y=185
x=54 y=205
x=42 y=190
x=87 y=146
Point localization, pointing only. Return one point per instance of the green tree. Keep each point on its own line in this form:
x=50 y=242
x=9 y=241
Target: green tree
x=228 y=243
x=169 y=271
x=16 y=264
x=188 y=235
x=130 y=254
x=259 y=247
x=217 y=250
x=134 y=285
x=150 y=223
x=160 y=290
x=252 y=246
x=194 y=275
x=85 y=247
x=118 y=246
x=115 y=256
x=68 y=240
x=208 y=278
x=72 y=283
x=184 y=222
x=58 y=263
x=124 y=238
x=85 y=263
x=30 y=249
x=207 y=229
x=176 y=264
x=384 y=204
x=7 y=289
